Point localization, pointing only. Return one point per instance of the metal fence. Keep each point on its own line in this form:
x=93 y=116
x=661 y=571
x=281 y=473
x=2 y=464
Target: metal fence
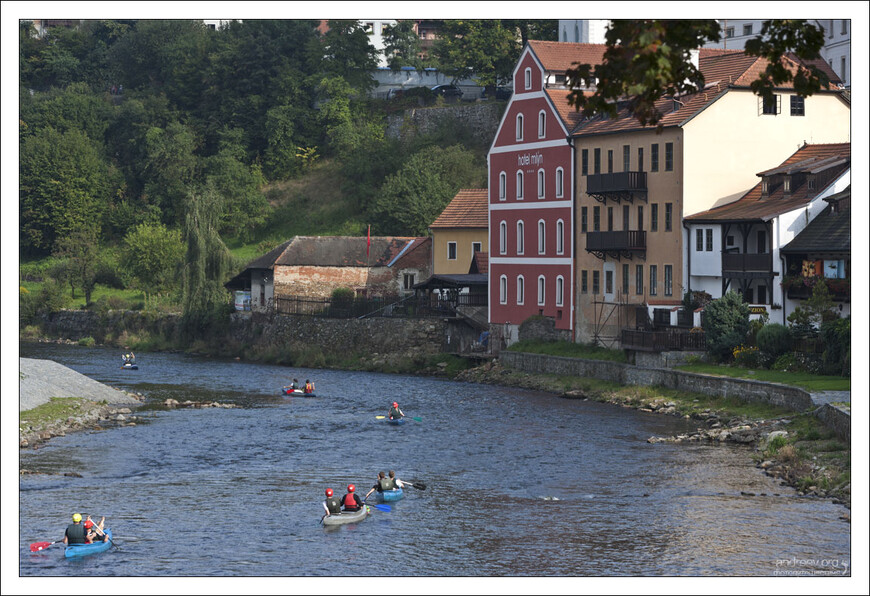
x=660 y=341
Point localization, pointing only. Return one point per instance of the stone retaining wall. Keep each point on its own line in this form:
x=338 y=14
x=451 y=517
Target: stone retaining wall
x=792 y=398
x=838 y=420
x=481 y=117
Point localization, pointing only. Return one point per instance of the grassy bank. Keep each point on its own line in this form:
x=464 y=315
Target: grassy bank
x=803 y=380
x=568 y=349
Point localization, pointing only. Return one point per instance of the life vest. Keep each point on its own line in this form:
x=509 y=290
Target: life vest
x=349 y=502
x=75 y=534
x=384 y=484
x=393 y=485
x=309 y=388
x=394 y=413
x=333 y=504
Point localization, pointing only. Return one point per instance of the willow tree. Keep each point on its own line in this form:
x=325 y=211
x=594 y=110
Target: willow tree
x=206 y=262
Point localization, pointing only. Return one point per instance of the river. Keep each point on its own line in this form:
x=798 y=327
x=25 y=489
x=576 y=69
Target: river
x=518 y=483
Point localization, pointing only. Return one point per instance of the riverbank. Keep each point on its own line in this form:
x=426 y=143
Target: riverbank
x=794 y=448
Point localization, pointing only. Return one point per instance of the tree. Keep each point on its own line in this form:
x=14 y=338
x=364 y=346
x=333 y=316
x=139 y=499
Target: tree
x=726 y=325
x=153 y=255
x=648 y=59
x=412 y=199
x=346 y=127
x=170 y=166
x=485 y=50
x=814 y=312
x=402 y=46
x=347 y=53
x=80 y=248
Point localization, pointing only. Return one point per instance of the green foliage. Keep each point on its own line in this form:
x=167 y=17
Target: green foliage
x=726 y=325
x=87 y=342
x=804 y=374
x=153 y=255
x=348 y=53
x=80 y=250
x=747 y=357
x=411 y=199
x=402 y=46
x=774 y=340
x=33 y=305
x=568 y=349
x=837 y=336
x=817 y=310
x=485 y=50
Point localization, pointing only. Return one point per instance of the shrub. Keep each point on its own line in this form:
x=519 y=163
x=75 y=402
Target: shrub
x=774 y=340
x=746 y=356
x=837 y=337
x=87 y=341
x=726 y=324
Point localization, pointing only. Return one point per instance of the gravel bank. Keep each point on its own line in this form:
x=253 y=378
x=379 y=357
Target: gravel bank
x=40 y=380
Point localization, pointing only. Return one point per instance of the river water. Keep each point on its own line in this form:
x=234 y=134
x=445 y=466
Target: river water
x=518 y=483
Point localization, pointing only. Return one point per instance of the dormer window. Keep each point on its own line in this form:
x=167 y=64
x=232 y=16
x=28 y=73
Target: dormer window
x=786 y=184
x=765 y=187
x=811 y=182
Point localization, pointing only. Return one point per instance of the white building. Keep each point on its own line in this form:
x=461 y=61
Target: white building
x=583 y=30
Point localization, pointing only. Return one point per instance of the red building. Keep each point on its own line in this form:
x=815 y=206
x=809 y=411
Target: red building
x=531 y=191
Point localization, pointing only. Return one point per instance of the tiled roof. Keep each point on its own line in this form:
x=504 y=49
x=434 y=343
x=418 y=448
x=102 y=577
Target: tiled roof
x=468 y=209
x=342 y=251
x=753 y=207
x=559 y=56
x=829 y=232
x=479 y=263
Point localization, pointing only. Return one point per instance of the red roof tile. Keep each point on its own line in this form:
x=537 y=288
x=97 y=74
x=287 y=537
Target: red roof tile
x=468 y=209
x=480 y=263
x=559 y=56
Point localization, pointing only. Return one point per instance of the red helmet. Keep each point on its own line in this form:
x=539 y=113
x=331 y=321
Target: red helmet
x=350 y=488
x=395 y=404
x=328 y=492
x=89 y=524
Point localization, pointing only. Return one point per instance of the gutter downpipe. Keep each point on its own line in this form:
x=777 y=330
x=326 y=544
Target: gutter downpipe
x=573 y=169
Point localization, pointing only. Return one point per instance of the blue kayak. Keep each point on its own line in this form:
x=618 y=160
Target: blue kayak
x=396 y=421
x=80 y=550
x=388 y=496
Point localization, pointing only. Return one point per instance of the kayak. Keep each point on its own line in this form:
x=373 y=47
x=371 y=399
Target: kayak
x=129 y=366
x=388 y=496
x=297 y=392
x=395 y=421
x=80 y=550
x=346 y=517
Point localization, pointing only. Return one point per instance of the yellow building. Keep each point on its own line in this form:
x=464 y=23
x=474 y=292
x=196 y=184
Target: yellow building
x=459 y=232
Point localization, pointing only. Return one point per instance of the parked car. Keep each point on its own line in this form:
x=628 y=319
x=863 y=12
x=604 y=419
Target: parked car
x=503 y=92
x=447 y=91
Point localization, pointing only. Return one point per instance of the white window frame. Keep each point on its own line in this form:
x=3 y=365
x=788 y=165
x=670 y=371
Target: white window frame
x=528 y=78
x=520 y=127
x=521 y=237
x=521 y=290
x=542 y=237
x=542 y=184
x=502 y=237
x=452 y=244
x=560 y=183
x=560 y=290
x=502 y=289
x=560 y=237
x=479 y=247
x=520 y=185
x=542 y=124
x=502 y=186
x=542 y=290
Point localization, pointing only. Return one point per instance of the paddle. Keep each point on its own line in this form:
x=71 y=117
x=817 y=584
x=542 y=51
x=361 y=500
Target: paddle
x=379 y=507
x=417 y=418
x=416 y=484
x=38 y=546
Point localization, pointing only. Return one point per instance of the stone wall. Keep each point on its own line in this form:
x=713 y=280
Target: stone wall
x=838 y=420
x=792 y=398
x=481 y=117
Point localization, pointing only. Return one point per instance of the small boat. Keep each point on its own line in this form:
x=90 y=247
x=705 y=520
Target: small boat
x=130 y=366
x=388 y=496
x=396 y=421
x=80 y=550
x=297 y=392
x=346 y=517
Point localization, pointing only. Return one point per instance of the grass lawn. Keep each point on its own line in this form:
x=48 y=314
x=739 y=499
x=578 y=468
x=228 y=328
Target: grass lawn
x=568 y=349
x=797 y=379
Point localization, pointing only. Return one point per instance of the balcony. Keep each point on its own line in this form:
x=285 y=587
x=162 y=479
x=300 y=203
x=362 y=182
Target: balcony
x=617 y=186
x=625 y=243
x=746 y=265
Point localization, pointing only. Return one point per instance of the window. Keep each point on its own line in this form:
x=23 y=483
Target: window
x=608 y=282
x=521 y=238
x=797 y=105
x=625 y=217
x=762 y=242
x=596 y=219
x=560 y=290
x=640 y=217
x=502 y=186
x=710 y=240
x=541 y=184
x=408 y=281
x=625 y=276
x=502 y=237
x=669 y=157
x=772 y=106
x=843 y=29
x=542 y=237
x=729 y=240
x=476 y=247
x=502 y=289
x=729 y=32
x=596 y=282
x=610 y=219
x=597 y=161
x=748 y=296
x=653 y=280
x=369 y=28
x=669 y=212
x=560 y=182
x=811 y=182
x=521 y=289
x=584 y=218
x=610 y=161
x=542 y=124
x=762 y=294
x=584 y=282
x=519 y=127
x=786 y=184
x=699 y=240
x=584 y=162
x=638 y=279
x=528 y=78
x=654 y=217
x=541 y=290
x=451 y=251
x=654 y=158
x=747 y=29
x=669 y=280
x=640 y=159
x=626 y=158
x=560 y=237
x=843 y=67
x=520 y=186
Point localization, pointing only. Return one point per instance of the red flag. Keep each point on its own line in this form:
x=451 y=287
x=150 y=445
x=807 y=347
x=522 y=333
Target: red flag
x=368 y=240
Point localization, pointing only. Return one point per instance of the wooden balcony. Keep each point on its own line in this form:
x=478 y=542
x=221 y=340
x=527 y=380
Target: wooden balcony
x=747 y=265
x=617 y=186
x=624 y=243
x=662 y=340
